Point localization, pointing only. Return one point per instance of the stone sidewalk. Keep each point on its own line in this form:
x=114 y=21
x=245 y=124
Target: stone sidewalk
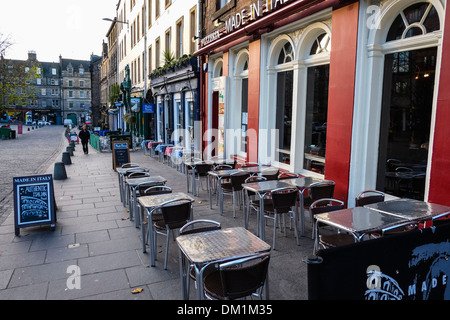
x=94 y=233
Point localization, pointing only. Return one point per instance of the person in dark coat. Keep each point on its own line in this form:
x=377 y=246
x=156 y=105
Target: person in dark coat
x=84 y=136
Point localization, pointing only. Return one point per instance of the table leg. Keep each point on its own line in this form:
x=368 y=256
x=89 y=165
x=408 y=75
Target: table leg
x=194 y=188
x=183 y=276
x=141 y=213
x=262 y=231
x=136 y=216
x=302 y=213
x=209 y=191
x=219 y=189
x=151 y=240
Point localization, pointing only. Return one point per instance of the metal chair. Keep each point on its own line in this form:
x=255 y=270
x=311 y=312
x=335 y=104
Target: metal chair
x=201 y=170
x=151 y=191
x=283 y=200
x=332 y=239
x=252 y=203
x=176 y=213
x=238 y=278
x=368 y=197
x=235 y=186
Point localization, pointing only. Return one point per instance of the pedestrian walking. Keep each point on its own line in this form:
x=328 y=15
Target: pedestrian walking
x=84 y=136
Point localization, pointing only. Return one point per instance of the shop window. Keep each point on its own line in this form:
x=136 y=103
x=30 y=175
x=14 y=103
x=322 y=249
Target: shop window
x=406 y=122
x=284 y=106
x=284 y=115
x=316 y=118
x=418 y=19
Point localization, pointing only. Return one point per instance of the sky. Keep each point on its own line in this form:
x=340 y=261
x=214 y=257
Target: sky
x=71 y=28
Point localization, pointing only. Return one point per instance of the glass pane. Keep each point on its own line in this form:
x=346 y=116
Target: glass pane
x=431 y=23
x=412 y=32
x=284 y=115
x=316 y=118
x=244 y=115
x=396 y=30
x=406 y=123
x=322 y=44
x=415 y=12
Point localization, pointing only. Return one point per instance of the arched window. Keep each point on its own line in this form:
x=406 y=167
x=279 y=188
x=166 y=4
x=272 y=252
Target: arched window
x=286 y=54
x=418 y=19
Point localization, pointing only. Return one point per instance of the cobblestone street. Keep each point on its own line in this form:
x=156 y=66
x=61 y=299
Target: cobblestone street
x=29 y=154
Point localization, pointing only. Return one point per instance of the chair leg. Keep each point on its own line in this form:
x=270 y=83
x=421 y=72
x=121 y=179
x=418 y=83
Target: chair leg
x=274 y=229
x=234 y=206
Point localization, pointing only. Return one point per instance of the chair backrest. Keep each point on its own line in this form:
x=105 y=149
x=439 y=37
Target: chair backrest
x=242 y=277
x=202 y=169
x=322 y=189
x=270 y=173
x=287 y=175
x=368 y=197
x=222 y=167
x=255 y=179
x=200 y=225
x=176 y=212
x=325 y=205
x=284 y=198
x=155 y=190
x=130 y=165
x=237 y=179
x=141 y=174
x=133 y=170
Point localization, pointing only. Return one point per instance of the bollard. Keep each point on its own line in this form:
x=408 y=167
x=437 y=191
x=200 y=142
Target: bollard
x=72 y=144
x=66 y=158
x=69 y=149
x=59 y=172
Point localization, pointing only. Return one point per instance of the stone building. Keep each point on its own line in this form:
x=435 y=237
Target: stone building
x=76 y=90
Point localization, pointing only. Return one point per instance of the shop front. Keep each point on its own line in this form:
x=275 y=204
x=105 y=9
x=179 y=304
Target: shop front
x=342 y=90
x=176 y=116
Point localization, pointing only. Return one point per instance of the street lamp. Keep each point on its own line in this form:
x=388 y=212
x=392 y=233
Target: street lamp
x=115 y=20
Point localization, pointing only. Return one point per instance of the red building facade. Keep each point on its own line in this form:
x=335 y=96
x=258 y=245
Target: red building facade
x=351 y=91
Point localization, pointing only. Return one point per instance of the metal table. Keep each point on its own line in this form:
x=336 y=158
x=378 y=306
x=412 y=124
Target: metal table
x=121 y=172
x=206 y=248
x=411 y=209
x=358 y=221
x=150 y=202
x=134 y=183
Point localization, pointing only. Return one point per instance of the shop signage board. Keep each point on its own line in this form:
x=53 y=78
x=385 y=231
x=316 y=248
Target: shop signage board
x=412 y=265
x=256 y=10
x=120 y=153
x=34 y=202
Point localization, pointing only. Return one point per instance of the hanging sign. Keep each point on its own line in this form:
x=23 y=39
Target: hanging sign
x=34 y=202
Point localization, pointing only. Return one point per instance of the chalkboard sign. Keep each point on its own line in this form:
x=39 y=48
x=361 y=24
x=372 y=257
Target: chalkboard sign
x=121 y=153
x=34 y=202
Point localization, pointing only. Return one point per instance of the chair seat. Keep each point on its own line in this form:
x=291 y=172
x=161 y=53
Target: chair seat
x=335 y=240
x=161 y=225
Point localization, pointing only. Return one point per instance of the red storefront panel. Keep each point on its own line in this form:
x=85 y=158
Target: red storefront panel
x=341 y=97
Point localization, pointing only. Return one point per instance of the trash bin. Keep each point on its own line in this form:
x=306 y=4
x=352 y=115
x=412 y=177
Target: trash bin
x=5 y=133
x=12 y=134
